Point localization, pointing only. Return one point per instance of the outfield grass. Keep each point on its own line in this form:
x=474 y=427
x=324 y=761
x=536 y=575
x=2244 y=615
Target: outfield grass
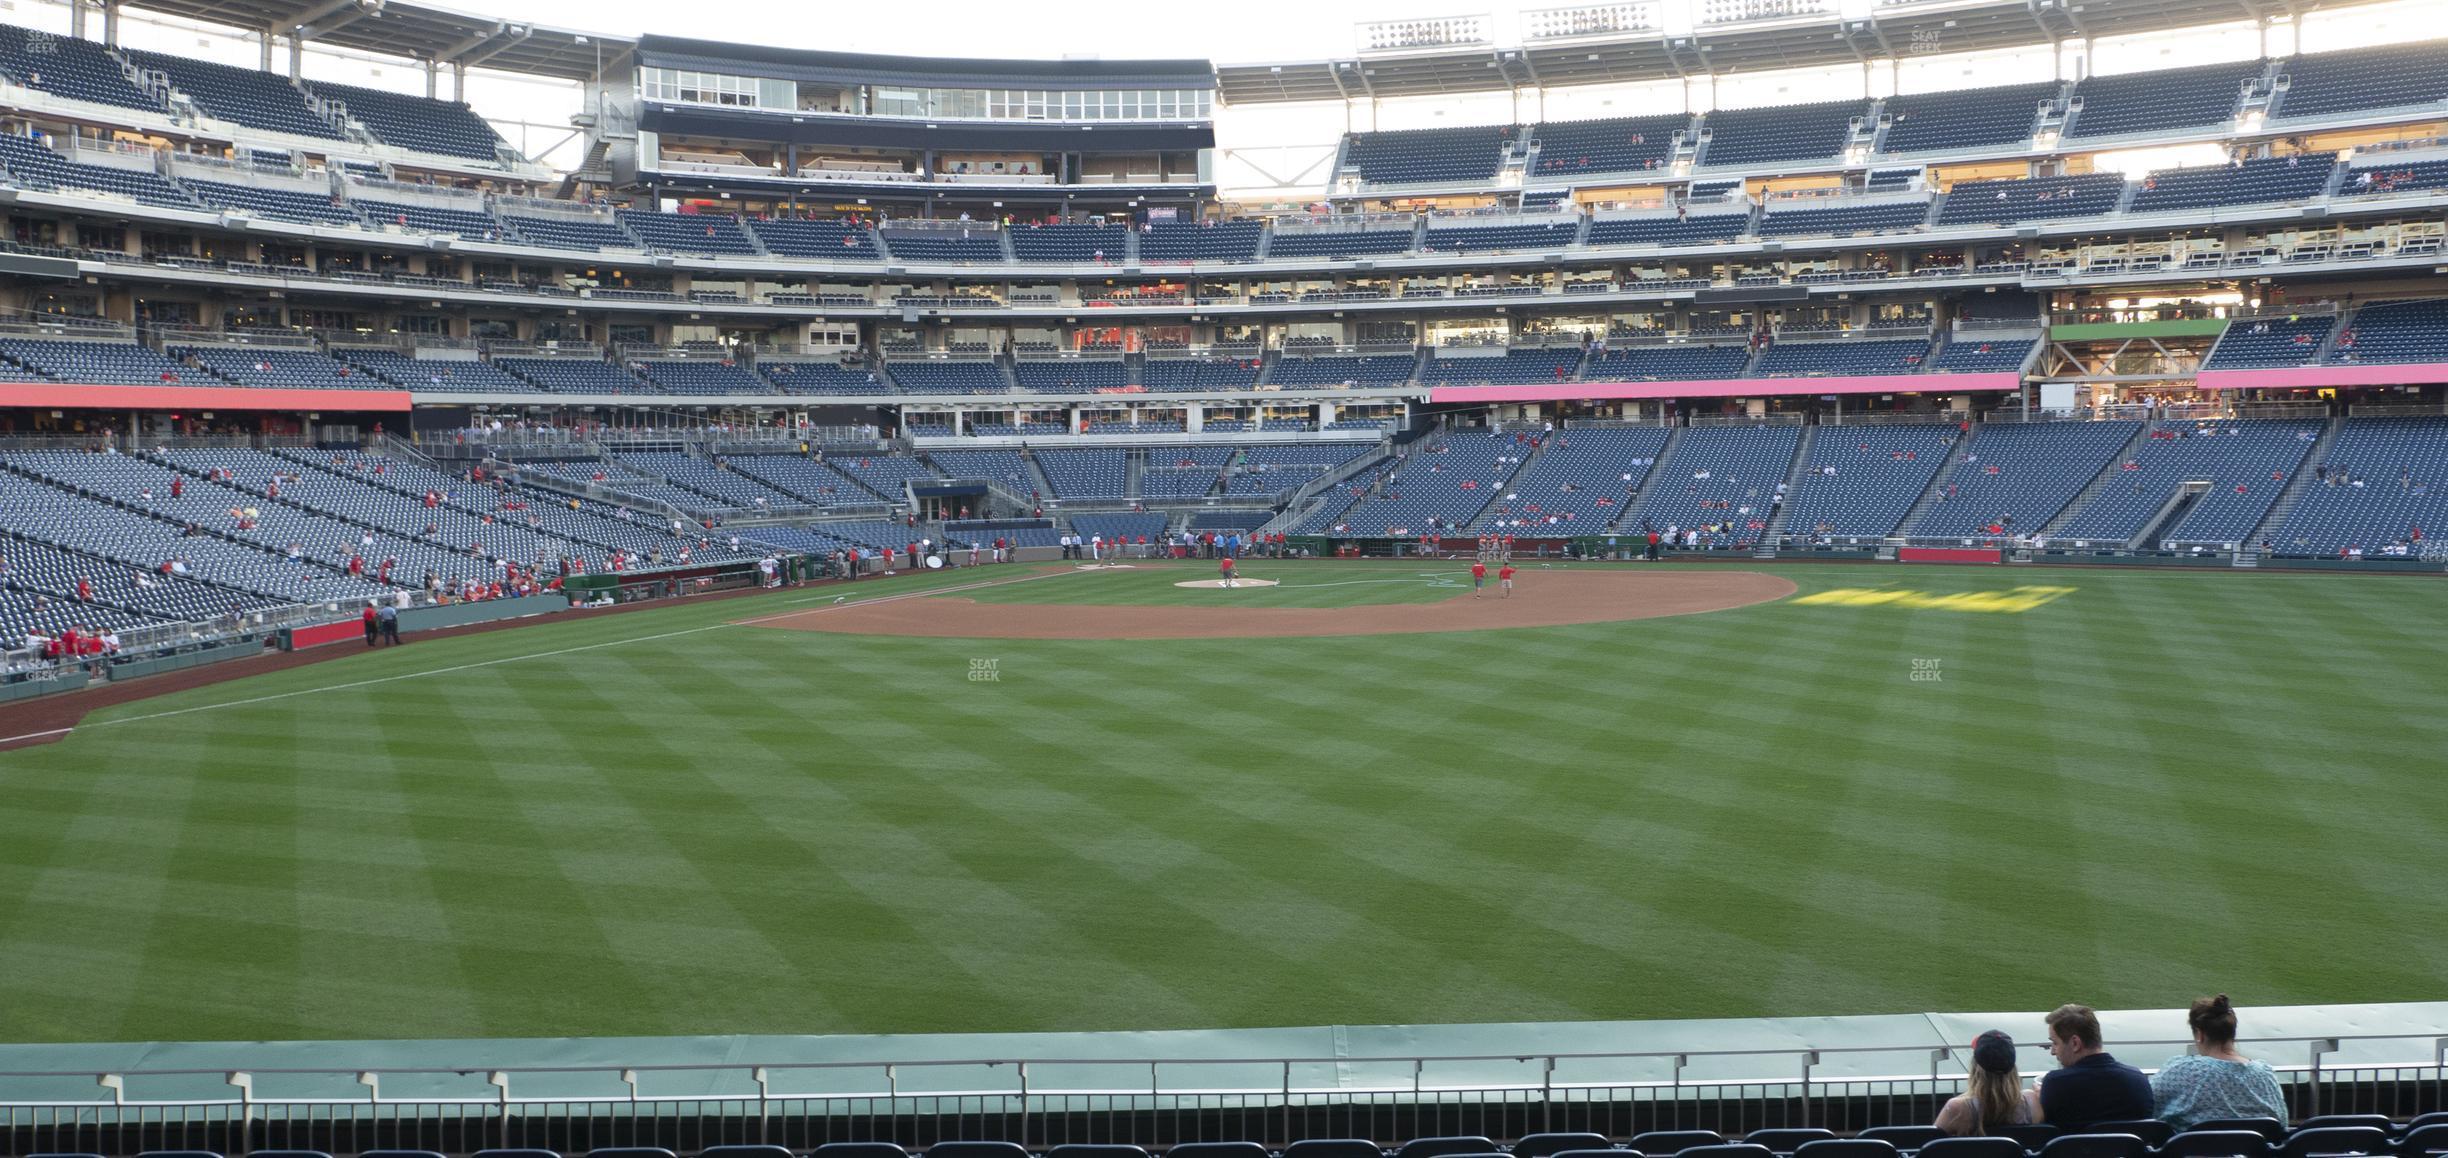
x=2156 y=786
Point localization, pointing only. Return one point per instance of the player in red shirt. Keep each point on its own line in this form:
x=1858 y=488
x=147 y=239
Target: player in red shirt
x=1227 y=568
x=1504 y=580
x=1478 y=578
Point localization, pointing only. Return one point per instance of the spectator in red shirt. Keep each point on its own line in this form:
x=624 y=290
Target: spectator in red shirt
x=1504 y=581
x=1478 y=578
x=370 y=629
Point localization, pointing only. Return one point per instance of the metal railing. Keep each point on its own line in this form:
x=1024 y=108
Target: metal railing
x=1051 y=1101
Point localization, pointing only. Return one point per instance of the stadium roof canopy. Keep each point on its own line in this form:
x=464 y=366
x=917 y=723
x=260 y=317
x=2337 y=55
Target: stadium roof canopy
x=1890 y=30
x=418 y=31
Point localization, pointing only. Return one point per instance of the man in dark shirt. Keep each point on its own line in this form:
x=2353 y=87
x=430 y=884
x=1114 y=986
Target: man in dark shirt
x=2089 y=1087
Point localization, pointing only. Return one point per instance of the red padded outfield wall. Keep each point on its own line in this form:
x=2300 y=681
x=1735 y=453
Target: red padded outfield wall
x=72 y=395
x=1950 y=555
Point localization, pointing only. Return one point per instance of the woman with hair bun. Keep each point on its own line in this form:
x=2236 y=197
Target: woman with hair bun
x=2214 y=1081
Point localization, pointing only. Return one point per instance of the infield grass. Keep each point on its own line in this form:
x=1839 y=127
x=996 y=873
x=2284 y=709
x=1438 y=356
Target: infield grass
x=2155 y=786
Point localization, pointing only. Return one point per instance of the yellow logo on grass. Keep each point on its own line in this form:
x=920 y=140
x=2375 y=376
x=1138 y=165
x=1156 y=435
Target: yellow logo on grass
x=2013 y=602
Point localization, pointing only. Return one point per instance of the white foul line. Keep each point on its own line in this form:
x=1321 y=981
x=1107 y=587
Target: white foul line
x=558 y=652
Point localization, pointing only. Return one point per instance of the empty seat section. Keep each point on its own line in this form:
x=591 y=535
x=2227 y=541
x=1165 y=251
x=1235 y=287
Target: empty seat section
x=280 y=204
x=1085 y=474
x=1513 y=367
x=2253 y=182
x=1480 y=238
x=2245 y=464
x=966 y=247
x=280 y=369
x=575 y=375
x=2160 y=101
x=1339 y=243
x=1697 y=229
x=1981 y=355
x=1792 y=359
x=1452 y=156
x=36 y=166
x=451 y=374
x=700 y=376
x=1336 y=370
x=1860 y=481
x=1199 y=373
x=473 y=224
x=1580 y=479
x=1175 y=241
x=829 y=240
x=707 y=478
x=1444 y=483
x=688 y=232
x=2325 y=83
x=884 y=475
x=1070 y=243
x=449 y=128
x=1779 y=133
x=67 y=66
x=245 y=96
x=792 y=377
x=2021 y=475
x=1667 y=363
x=2402 y=464
x=925 y=377
x=100 y=363
x=1723 y=476
x=571 y=231
x=1608 y=145
x=1839 y=220
x=1965 y=119
x=2394 y=332
x=2031 y=199
x=1073 y=375
x=2265 y=343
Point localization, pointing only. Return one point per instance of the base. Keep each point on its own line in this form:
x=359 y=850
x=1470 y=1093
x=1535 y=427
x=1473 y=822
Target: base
x=1213 y=584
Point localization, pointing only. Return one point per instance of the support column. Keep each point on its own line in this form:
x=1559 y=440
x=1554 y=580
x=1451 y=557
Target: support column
x=459 y=83
x=263 y=48
x=433 y=76
x=110 y=23
x=76 y=20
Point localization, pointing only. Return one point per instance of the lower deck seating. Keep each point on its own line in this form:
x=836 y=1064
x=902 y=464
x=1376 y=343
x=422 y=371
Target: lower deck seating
x=2382 y=486
x=2244 y=464
x=2018 y=476
x=1860 y=481
x=1722 y=477
x=1579 y=480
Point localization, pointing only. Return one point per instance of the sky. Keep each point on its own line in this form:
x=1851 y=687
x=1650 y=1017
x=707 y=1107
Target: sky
x=1259 y=145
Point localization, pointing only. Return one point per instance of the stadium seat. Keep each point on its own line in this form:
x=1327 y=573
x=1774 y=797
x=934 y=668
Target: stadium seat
x=1091 y=1150
x=2269 y=1128
x=2380 y=1122
x=1786 y=1141
x=977 y=1150
x=2328 y=1141
x=1549 y=1145
x=1902 y=1137
x=1333 y=1148
x=739 y=1152
x=1848 y=1148
x=1443 y=1147
x=2095 y=1145
x=2420 y=1141
x=1971 y=1148
x=2153 y=1132
x=1664 y=1142
x=1595 y=1154
x=2216 y=1144
x=1728 y=1150
x=631 y=1152
x=2033 y=1137
x=1217 y=1150
x=516 y=1153
x=2418 y=1121
x=288 y=1154
x=401 y=1154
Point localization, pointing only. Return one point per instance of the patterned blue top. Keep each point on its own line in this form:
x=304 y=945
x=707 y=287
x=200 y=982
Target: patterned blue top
x=2194 y=1089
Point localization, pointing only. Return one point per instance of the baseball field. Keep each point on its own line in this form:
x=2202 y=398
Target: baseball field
x=1788 y=790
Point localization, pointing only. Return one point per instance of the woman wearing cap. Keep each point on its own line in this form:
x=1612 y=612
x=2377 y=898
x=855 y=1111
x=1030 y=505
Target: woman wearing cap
x=1993 y=1099
x=2214 y=1081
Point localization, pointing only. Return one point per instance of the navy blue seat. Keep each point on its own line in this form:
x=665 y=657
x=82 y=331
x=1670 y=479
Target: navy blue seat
x=1675 y=1141
x=401 y=1154
x=1443 y=1147
x=515 y=1152
x=1902 y=1137
x=2153 y=1132
x=1848 y=1148
x=2381 y=1122
x=1972 y=1148
x=1550 y=1145
x=1588 y=1153
x=631 y=1152
x=2324 y=1141
x=1334 y=1148
x=2269 y=1128
x=185 y=1154
x=2216 y=1144
x=2095 y=1145
x=2426 y=1138
x=740 y=1152
x=2434 y=1118
x=858 y=1150
x=1217 y=1150
x=2032 y=1137
x=977 y=1150
x=1093 y=1150
x=287 y=1154
x=1729 y=1150
x=1788 y=1140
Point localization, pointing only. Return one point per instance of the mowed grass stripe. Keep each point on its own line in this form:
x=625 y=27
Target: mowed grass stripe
x=1750 y=812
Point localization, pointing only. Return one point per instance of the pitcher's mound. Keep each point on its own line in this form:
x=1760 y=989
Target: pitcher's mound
x=1236 y=584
